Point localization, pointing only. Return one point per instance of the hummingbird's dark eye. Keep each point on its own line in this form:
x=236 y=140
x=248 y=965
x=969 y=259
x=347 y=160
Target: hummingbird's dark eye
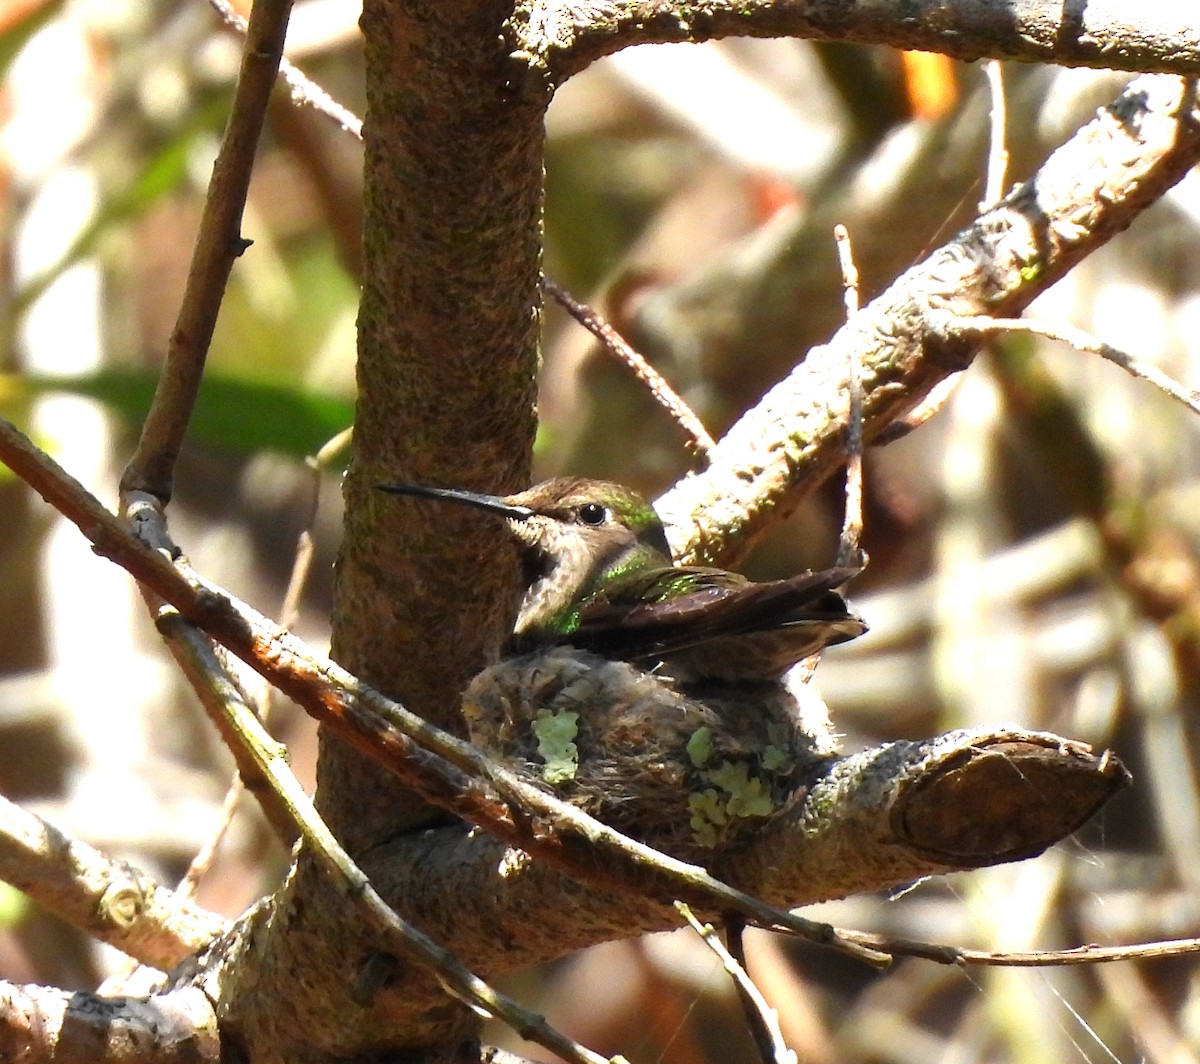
x=592 y=513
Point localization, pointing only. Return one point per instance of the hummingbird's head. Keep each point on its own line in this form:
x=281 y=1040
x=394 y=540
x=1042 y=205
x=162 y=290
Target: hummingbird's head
x=575 y=535
x=598 y=513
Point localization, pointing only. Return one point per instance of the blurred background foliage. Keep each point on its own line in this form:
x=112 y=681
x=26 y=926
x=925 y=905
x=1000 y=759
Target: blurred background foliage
x=1033 y=546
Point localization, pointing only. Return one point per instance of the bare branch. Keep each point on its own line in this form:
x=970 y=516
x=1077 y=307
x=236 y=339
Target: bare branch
x=763 y=1020
x=221 y=696
x=218 y=244
x=1086 y=192
x=984 y=326
x=612 y=341
x=938 y=397
x=1091 y=954
x=109 y=899
x=203 y=859
x=40 y=1023
x=563 y=38
x=850 y=542
x=305 y=91
x=881 y=816
x=997 y=168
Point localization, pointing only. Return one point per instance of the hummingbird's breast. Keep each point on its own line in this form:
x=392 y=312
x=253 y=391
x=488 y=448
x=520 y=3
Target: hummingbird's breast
x=563 y=567
x=573 y=565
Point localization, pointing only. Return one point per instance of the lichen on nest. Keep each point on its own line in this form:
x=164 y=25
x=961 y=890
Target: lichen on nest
x=693 y=773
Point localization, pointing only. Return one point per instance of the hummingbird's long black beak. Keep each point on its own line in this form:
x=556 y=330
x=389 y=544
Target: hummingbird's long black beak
x=493 y=503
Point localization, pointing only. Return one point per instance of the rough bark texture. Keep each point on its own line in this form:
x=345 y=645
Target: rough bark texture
x=447 y=362
x=448 y=331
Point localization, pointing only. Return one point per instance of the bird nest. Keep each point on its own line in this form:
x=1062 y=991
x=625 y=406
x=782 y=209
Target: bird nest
x=694 y=773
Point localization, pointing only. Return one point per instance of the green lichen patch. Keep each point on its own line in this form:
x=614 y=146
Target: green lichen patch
x=707 y=814
x=748 y=795
x=773 y=758
x=700 y=746
x=556 y=734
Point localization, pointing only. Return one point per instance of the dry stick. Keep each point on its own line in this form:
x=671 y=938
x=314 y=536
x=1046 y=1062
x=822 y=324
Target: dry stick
x=997 y=169
x=850 y=544
x=317 y=464
x=204 y=857
x=937 y=398
x=152 y=467
x=250 y=740
x=655 y=382
x=205 y=667
x=940 y=953
x=441 y=769
x=1082 y=341
x=115 y=902
x=762 y=1020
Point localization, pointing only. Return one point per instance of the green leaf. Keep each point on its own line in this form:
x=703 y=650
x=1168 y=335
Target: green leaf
x=232 y=413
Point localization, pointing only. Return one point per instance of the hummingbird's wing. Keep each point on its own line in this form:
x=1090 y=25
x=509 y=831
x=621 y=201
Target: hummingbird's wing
x=661 y=611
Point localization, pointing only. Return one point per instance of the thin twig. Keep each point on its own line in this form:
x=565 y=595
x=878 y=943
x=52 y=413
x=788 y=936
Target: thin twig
x=655 y=382
x=270 y=759
x=205 y=668
x=303 y=89
x=849 y=271
x=218 y=244
x=850 y=543
x=317 y=464
x=997 y=168
x=202 y=861
x=940 y=953
x=762 y=1020
x=1082 y=341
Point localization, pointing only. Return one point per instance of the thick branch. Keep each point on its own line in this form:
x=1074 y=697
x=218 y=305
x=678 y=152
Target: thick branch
x=1086 y=192
x=108 y=899
x=447 y=364
x=40 y=1023
x=563 y=38
x=874 y=820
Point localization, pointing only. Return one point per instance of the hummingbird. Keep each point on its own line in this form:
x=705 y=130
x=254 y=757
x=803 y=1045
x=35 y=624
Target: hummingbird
x=599 y=576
